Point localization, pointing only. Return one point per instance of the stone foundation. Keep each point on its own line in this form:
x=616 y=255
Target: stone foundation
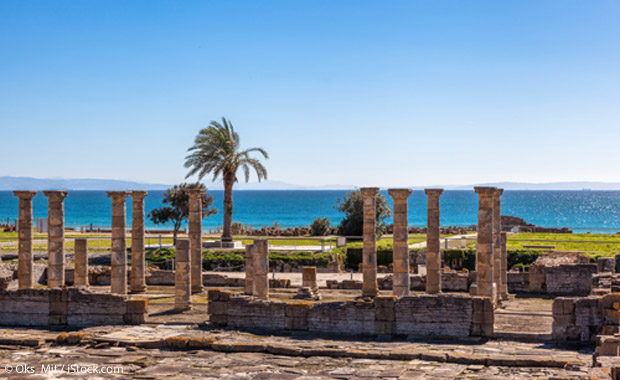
x=582 y=318
x=68 y=307
x=444 y=315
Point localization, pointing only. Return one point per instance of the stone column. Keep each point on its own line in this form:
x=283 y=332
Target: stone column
x=484 y=253
x=138 y=264
x=55 y=238
x=182 y=276
x=504 y=267
x=370 y=287
x=118 y=273
x=260 y=281
x=401 y=282
x=497 y=239
x=81 y=262
x=25 y=276
x=433 y=249
x=249 y=268
x=195 y=237
x=308 y=279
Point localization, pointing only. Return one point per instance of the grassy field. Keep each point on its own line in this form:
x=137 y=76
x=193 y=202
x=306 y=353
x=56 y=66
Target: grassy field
x=593 y=244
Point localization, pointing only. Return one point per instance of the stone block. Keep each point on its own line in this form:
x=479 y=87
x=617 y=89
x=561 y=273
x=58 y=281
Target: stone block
x=563 y=305
x=218 y=308
x=134 y=318
x=298 y=324
x=137 y=306
x=384 y=314
x=384 y=328
x=218 y=320
x=608 y=346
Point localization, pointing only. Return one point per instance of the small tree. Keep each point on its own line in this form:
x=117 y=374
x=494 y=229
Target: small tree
x=353 y=207
x=178 y=210
x=320 y=227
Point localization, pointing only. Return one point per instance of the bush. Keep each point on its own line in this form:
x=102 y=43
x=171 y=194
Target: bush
x=355 y=257
x=237 y=228
x=320 y=227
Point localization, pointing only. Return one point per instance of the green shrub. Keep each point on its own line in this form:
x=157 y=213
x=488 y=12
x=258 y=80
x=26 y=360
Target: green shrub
x=160 y=255
x=354 y=257
x=320 y=227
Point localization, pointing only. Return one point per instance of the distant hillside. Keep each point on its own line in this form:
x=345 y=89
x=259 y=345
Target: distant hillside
x=576 y=185
x=26 y=183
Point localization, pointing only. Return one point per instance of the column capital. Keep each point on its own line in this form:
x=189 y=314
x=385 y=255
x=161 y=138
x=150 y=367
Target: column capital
x=369 y=191
x=195 y=192
x=118 y=194
x=139 y=193
x=56 y=193
x=399 y=194
x=433 y=192
x=498 y=193
x=25 y=194
x=485 y=190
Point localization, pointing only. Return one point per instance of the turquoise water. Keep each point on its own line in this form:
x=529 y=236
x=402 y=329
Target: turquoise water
x=583 y=211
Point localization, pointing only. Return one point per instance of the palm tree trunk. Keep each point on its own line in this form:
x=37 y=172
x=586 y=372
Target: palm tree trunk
x=228 y=206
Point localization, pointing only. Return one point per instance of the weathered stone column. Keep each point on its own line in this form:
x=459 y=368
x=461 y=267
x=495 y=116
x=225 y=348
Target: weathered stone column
x=249 y=268
x=118 y=272
x=182 y=276
x=55 y=238
x=504 y=266
x=401 y=282
x=25 y=276
x=433 y=249
x=370 y=287
x=81 y=262
x=484 y=253
x=195 y=237
x=260 y=282
x=308 y=279
x=138 y=264
x=497 y=239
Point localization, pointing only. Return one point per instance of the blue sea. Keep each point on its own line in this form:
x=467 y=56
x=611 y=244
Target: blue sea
x=582 y=211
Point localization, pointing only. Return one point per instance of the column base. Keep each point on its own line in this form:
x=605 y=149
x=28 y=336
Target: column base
x=370 y=292
x=182 y=307
x=197 y=289
x=137 y=289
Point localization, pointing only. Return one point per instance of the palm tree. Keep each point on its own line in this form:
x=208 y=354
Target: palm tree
x=216 y=151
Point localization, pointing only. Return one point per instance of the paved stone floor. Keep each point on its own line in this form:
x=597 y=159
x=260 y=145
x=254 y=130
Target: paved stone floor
x=125 y=351
x=82 y=362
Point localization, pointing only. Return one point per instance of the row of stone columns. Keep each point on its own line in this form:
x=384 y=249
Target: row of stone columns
x=491 y=255
x=118 y=280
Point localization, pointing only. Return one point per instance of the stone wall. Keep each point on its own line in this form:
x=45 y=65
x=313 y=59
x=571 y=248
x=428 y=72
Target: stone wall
x=582 y=318
x=68 y=307
x=575 y=280
x=419 y=315
x=518 y=282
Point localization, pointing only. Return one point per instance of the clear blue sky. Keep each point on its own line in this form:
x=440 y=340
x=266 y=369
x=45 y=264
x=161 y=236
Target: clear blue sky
x=386 y=93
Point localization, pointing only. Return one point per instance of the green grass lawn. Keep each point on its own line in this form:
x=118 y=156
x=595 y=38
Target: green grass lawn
x=597 y=244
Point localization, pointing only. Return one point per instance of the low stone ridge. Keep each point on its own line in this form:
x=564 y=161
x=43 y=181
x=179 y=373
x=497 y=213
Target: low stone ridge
x=68 y=307
x=419 y=315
